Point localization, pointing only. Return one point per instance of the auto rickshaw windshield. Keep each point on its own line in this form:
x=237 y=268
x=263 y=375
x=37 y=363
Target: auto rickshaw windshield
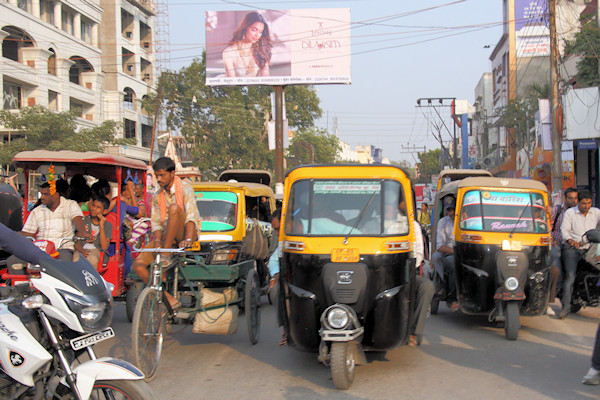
x=503 y=211
x=217 y=210
x=346 y=207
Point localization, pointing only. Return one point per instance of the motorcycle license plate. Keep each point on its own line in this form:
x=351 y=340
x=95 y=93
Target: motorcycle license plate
x=345 y=255
x=88 y=340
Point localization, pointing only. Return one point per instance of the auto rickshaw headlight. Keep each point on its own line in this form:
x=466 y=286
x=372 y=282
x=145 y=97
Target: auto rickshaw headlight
x=338 y=318
x=511 y=283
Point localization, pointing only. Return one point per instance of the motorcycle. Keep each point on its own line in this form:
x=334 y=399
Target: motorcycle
x=51 y=315
x=586 y=292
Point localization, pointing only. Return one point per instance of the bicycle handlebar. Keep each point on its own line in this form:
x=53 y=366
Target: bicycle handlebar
x=158 y=250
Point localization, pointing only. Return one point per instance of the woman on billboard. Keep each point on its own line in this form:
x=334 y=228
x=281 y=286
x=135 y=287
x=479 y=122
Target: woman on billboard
x=249 y=52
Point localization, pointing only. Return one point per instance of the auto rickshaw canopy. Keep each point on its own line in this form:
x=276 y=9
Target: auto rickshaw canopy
x=249 y=189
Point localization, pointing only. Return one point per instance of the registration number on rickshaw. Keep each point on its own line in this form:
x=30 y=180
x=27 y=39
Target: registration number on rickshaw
x=345 y=255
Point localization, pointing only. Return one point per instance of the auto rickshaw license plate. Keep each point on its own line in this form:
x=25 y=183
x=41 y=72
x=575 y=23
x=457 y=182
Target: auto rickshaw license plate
x=345 y=255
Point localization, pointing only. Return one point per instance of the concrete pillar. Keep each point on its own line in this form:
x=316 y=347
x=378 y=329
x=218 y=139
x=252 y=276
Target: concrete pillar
x=58 y=15
x=95 y=41
x=35 y=8
x=77 y=25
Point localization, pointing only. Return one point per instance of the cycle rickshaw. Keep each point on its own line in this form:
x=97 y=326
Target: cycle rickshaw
x=215 y=278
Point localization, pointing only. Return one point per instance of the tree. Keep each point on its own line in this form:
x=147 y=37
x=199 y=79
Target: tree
x=313 y=146
x=406 y=167
x=228 y=125
x=586 y=45
x=48 y=130
x=429 y=164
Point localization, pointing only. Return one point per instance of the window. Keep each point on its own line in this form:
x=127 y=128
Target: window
x=16 y=40
x=12 y=96
x=81 y=65
x=52 y=100
x=128 y=98
x=129 y=127
x=76 y=107
x=347 y=207
x=146 y=136
x=47 y=11
x=86 y=31
x=24 y=5
x=218 y=210
x=68 y=21
x=52 y=63
x=503 y=211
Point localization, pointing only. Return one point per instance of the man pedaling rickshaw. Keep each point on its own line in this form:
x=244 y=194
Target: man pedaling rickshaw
x=175 y=218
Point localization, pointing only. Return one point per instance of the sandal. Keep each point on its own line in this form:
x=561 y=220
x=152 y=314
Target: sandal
x=412 y=341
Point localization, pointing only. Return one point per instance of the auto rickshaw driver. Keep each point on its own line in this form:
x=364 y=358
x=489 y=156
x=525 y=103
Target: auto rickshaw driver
x=443 y=257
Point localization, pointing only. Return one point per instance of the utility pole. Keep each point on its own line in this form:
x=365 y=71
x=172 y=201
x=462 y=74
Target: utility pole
x=278 y=138
x=556 y=109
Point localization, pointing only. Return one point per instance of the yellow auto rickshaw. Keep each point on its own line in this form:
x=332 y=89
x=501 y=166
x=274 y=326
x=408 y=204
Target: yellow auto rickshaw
x=347 y=266
x=501 y=248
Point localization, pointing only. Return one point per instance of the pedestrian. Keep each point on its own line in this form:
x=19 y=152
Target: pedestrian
x=593 y=375
x=576 y=222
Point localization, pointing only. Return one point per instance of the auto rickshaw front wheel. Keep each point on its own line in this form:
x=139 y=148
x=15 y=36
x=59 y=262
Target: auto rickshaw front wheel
x=511 y=321
x=342 y=363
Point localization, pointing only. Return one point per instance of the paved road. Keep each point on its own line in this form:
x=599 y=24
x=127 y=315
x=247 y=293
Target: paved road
x=462 y=357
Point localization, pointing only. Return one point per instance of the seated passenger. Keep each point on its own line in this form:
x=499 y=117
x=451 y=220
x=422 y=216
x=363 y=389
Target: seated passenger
x=101 y=230
x=175 y=218
x=443 y=257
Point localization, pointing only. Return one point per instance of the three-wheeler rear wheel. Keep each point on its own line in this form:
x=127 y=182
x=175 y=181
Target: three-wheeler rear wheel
x=252 y=305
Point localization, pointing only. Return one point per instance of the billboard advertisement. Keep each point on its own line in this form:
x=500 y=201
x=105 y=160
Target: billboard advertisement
x=277 y=47
x=532 y=35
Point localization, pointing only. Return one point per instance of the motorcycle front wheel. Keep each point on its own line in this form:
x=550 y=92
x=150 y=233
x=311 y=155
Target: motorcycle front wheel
x=117 y=390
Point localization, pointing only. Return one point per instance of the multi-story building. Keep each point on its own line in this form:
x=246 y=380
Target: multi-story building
x=95 y=57
x=51 y=56
x=128 y=64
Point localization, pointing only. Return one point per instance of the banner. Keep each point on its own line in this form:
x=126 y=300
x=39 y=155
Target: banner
x=277 y=47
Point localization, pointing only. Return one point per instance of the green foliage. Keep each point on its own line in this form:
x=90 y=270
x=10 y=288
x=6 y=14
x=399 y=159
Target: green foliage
x=313 y=146
x=518 y=115
x=406 y=167
x=47 y=130
x=429 y=164
x=586 y=45
x=227 y=125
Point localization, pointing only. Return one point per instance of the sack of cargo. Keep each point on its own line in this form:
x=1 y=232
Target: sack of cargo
x=219 y=321
x=217 y=296
x=256 y=241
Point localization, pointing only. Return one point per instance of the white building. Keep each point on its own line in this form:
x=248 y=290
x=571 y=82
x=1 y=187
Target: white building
x=51 y=56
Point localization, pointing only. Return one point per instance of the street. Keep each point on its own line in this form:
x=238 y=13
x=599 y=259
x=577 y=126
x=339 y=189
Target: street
x=462 y=357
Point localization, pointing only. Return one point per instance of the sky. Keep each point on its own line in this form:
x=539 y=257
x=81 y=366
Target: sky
x=401 y=51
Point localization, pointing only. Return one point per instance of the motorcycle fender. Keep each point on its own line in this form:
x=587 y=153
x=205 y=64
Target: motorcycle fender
x=102 y=369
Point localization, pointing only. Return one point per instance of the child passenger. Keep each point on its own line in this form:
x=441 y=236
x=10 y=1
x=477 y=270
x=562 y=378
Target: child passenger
x=97 y=224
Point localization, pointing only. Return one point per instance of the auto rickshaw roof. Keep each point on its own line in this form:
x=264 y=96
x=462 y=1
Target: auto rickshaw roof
x=347 y=171
x=34 y=159
x=458 y=174
x=504 y=183
x=247 y=175
x=249 y=189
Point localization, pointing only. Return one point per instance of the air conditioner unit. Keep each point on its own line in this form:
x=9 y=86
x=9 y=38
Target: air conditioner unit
x=129 y=35
x=146 y=77
x=146 y=45
x=130 y=67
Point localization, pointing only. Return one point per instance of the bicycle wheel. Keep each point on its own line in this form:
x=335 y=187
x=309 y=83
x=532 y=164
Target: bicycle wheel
x=147 y=332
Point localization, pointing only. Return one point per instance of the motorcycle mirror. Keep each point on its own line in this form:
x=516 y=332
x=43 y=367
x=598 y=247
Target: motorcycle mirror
x=593 y=235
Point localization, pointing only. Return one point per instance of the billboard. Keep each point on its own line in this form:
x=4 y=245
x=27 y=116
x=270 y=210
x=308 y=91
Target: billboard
x=532 y=34
x=277 y=47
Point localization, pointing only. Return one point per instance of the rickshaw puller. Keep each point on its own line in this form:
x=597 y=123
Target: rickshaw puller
x=443 y=258
x=175 y=217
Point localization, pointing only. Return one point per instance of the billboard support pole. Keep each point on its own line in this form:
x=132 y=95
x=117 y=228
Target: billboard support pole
x=278 y=139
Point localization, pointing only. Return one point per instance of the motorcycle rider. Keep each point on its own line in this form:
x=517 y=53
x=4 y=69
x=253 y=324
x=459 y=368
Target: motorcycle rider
x=576 y=222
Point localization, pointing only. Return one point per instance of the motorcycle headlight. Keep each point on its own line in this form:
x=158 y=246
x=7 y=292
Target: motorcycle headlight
x=511 y=283
x=338 y=318
x=93 y=312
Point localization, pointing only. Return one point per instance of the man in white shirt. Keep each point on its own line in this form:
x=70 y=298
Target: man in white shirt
x=576 y=222
x=56 y=218
x=443 y=258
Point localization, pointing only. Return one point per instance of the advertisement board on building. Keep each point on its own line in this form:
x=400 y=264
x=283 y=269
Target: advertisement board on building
x=278 y=47
x=532 y=36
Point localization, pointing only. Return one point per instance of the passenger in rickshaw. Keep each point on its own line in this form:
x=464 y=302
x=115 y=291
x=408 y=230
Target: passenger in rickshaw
x=101 y=229
x=56 y=218
x=443 y=257
x=80 y=192
x=175 y=218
